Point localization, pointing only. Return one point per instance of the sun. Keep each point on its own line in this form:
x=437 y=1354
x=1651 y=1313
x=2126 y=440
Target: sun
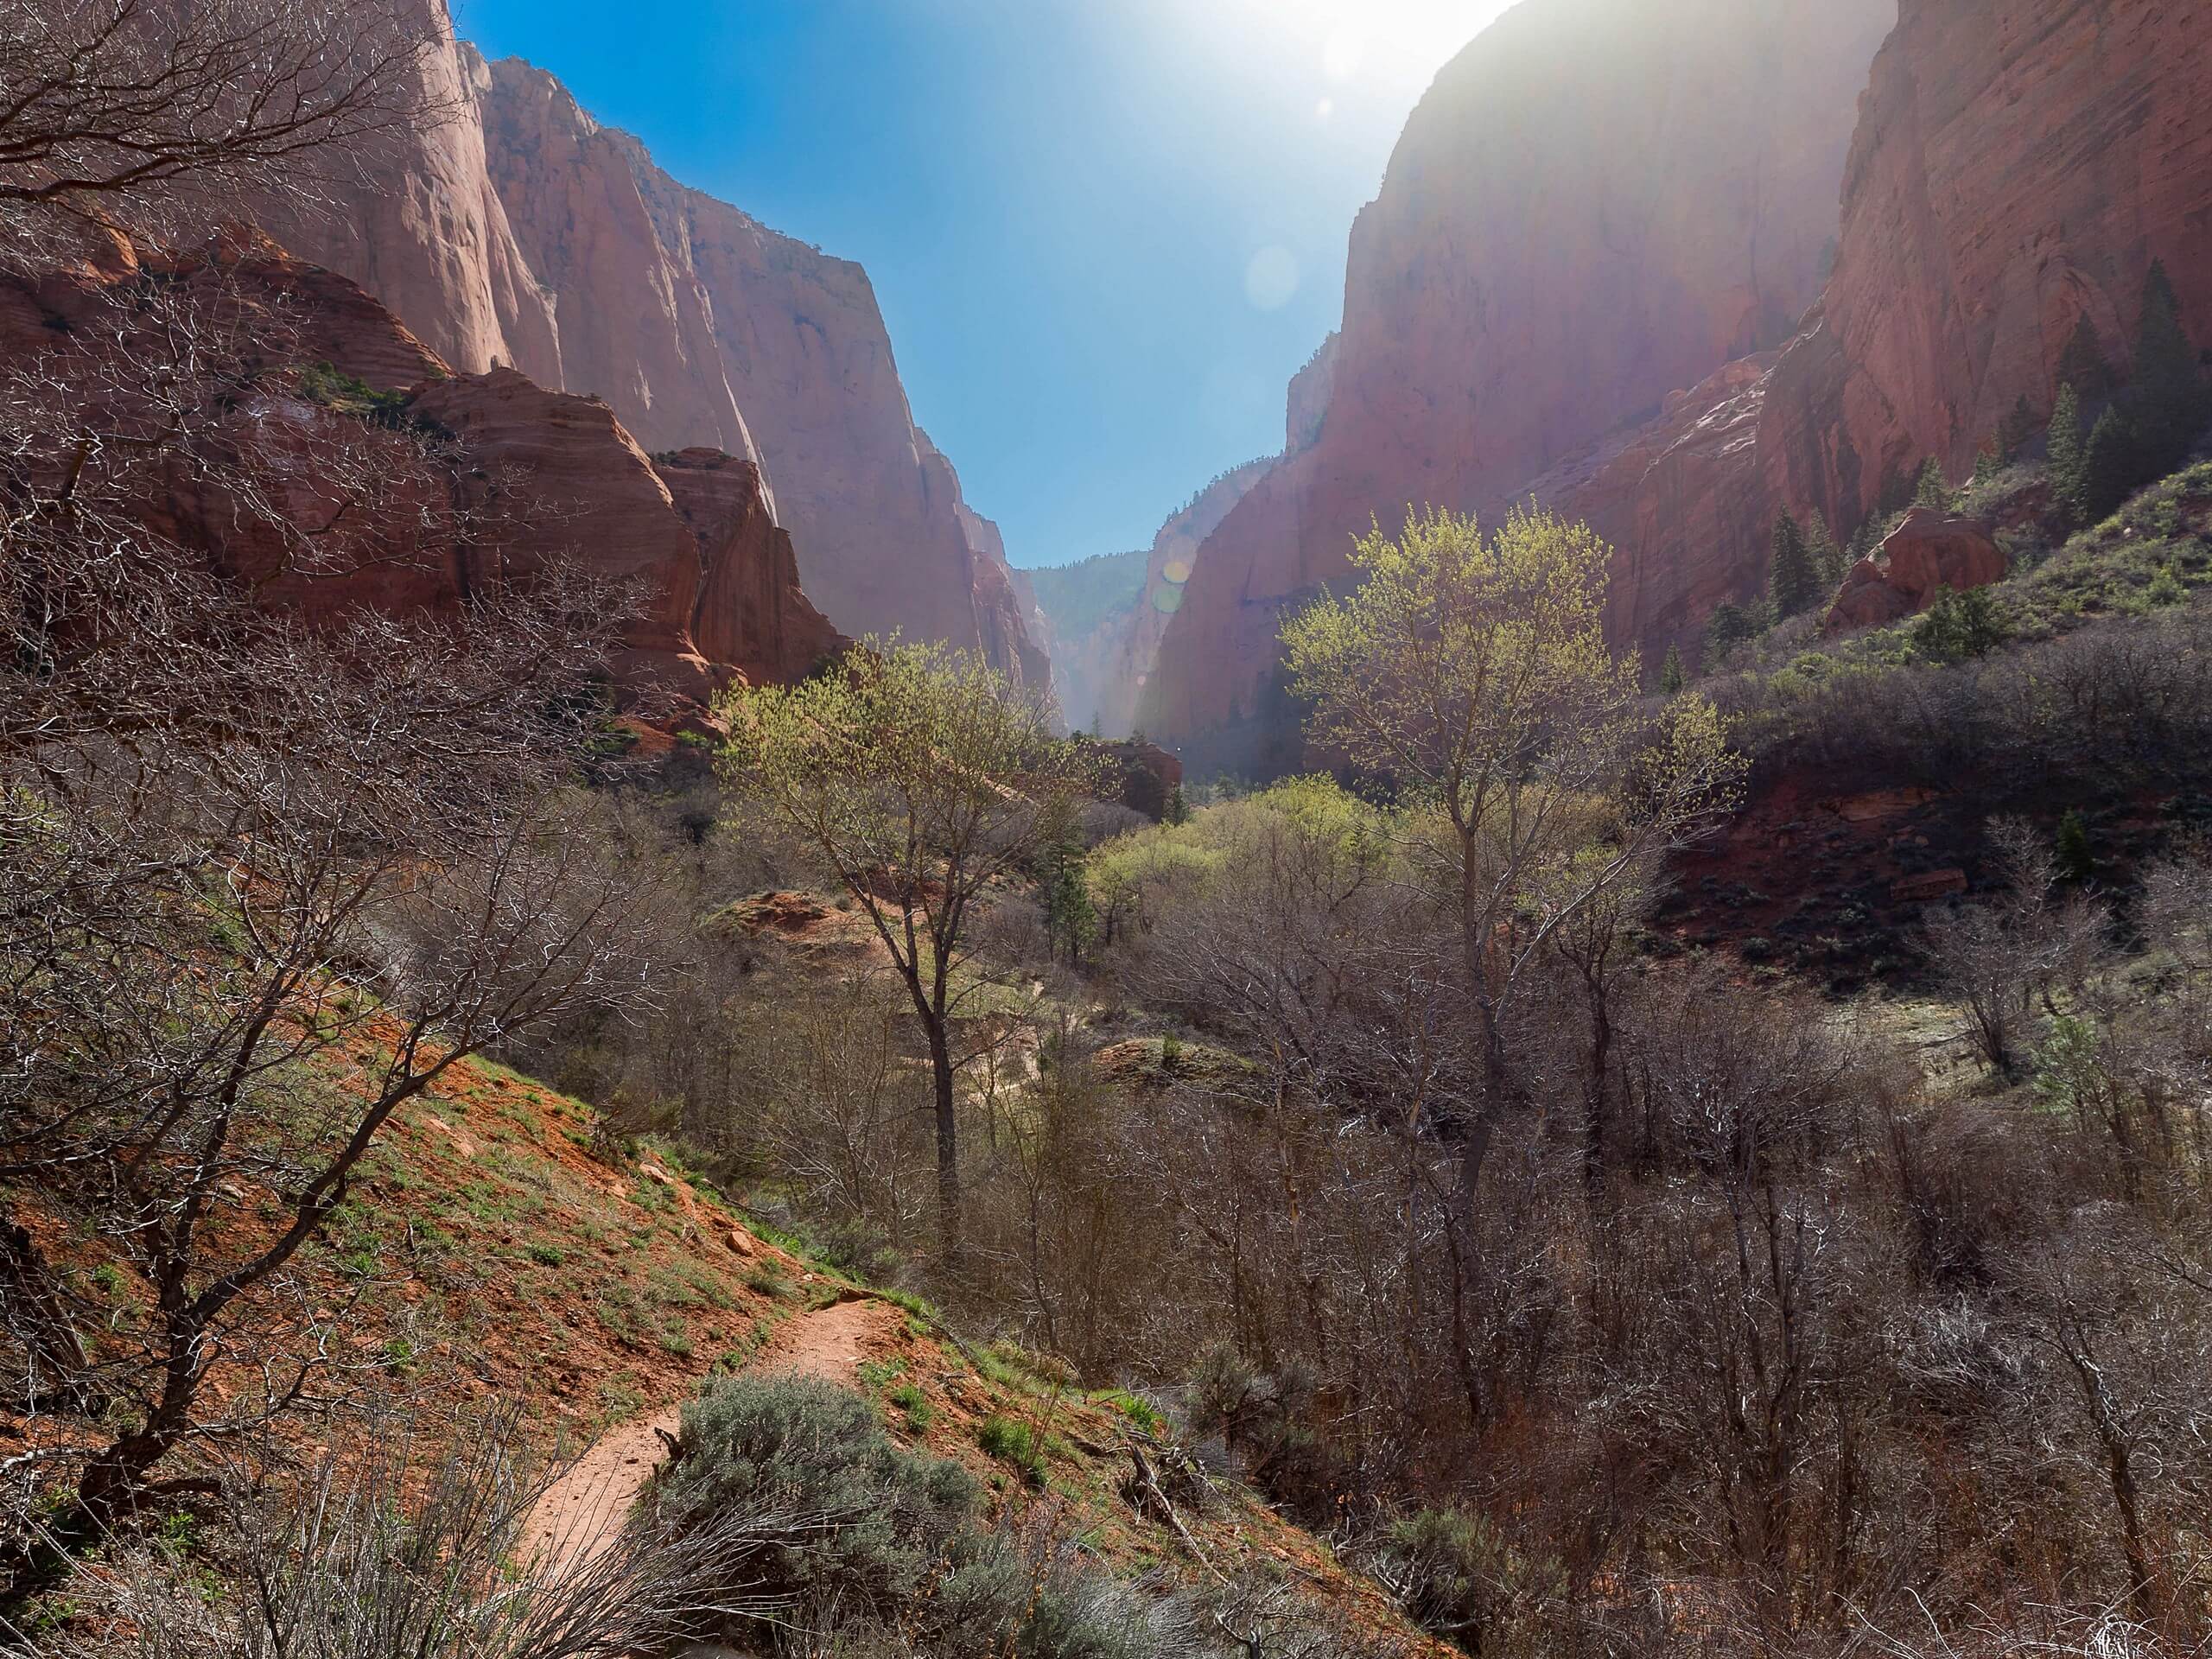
x=1388 y=40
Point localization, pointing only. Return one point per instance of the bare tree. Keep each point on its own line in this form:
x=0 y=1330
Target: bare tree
x=135 y=108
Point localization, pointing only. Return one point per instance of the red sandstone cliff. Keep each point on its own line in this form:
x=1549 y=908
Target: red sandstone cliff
x=1598 y=203
x=521 y=233
x=2018 y=164
x=545 y=474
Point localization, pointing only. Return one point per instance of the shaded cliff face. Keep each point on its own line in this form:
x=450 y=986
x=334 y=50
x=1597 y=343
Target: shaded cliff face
x=2019 y=165
x=522 y=233
x=1600 y=202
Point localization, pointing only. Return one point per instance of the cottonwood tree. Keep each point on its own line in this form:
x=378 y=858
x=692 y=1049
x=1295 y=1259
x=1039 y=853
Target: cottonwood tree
x=922 y=779
x=1471 y=670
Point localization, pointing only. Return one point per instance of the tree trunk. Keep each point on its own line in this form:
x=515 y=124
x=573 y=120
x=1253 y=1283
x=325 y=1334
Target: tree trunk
x=948 y=1144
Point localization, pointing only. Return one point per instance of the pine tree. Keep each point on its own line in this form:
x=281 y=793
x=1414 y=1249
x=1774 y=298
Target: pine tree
x=1827 y=555
x=1729 y=626
x=1672 y=676
x=1934 y=489
x=2082 y=364
x=1177 y=810
x=2019 y=426
x=1989 y=460
x=2113 y=464
x=2169 y=390
x=1792 y=584
x=2065 y=445
x=2077 y=861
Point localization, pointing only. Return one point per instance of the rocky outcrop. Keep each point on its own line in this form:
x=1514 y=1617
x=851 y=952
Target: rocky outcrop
x=714 y=573
x=1929 y=553
x=539 y=476
x=521 y=233
x=1598 y=203
x=1677 y=499
x=2018 y=165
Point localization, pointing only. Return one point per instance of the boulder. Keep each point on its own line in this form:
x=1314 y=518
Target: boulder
x=1927 y=554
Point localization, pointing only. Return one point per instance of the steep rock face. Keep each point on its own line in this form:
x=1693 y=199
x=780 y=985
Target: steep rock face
x=521 y=233
x=714 y=575
x=1101 y=676
x=1598 y=203
x=748 y=609
x=2018 y=165
x=1678 y=499
x=1929 y=553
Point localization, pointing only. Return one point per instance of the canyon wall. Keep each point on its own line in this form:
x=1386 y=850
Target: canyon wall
x=2018 y=166
x=519 y=232
x=1598 y=203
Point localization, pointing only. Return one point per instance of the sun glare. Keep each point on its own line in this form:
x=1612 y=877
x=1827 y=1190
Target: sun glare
x=1345 y=43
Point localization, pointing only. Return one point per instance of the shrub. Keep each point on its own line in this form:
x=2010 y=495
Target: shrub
x=1461 y=1578
x=1013 y=1442
x=885 y=1517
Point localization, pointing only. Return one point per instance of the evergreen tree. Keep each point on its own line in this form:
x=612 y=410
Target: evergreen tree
x=1672 y=676
x=2065 y=445
x=1959 y=626
x=2077 y=861
x=2082 y=365
x=1989 y=460
x=1828 y=556
x=1792 y=583
x=2019 y=426
x=1177 y=810
x=1729 y=626
x=2169 y=390
x=2113 y=464
x=1934 y=489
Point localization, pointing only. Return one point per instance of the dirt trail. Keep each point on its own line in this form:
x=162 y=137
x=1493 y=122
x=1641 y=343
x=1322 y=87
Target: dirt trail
x=583 y=1509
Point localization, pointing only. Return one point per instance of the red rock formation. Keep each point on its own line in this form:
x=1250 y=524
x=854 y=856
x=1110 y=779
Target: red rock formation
x=521 y=233
x=1928 y=553
x=748 y=609
x=714 y=574
x=1678 y=499
x=2018 y=165
x=695 y=536
x=1599 y=202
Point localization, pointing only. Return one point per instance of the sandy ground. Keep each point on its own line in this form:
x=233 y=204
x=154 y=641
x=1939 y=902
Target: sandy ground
x=583 y=1509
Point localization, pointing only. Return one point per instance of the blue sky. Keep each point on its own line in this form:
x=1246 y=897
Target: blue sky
x=1104 y=233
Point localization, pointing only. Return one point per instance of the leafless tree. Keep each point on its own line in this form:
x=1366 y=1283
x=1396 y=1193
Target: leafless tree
x=133 y=111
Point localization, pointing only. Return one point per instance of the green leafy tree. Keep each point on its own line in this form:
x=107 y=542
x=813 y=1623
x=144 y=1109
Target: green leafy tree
x=1672 y=676
x=1934 y=489
x=1472 y=671
x=2082 y=365
x=2066 y=448
x=920 y=777
x=1792 y=583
